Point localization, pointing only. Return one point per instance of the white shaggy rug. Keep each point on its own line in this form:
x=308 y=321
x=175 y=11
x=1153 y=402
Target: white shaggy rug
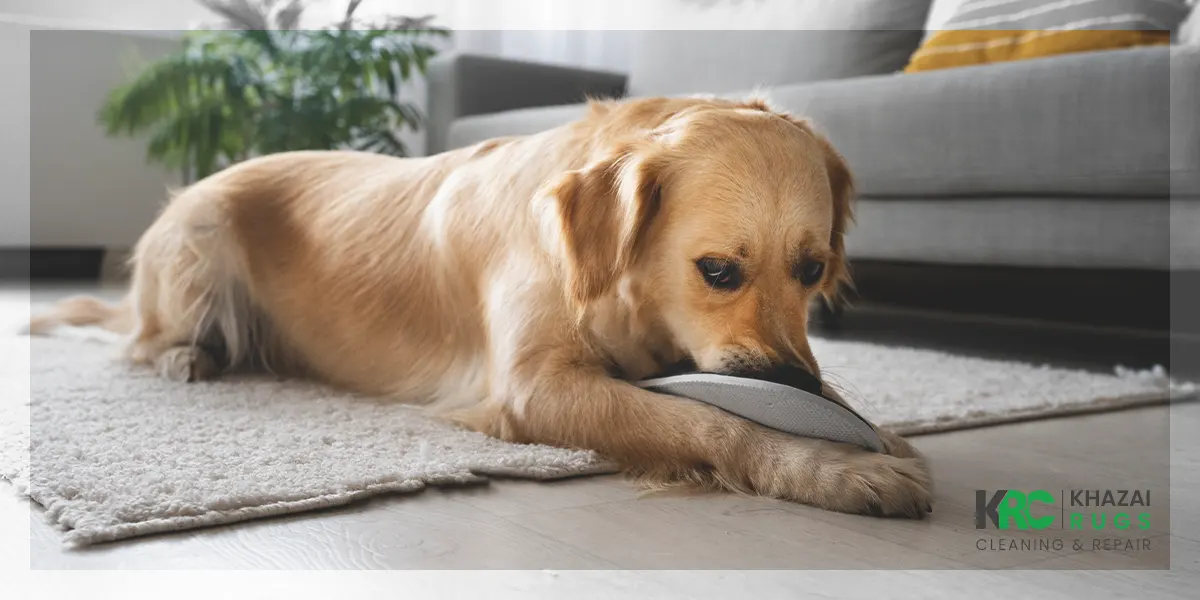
x=113 y=453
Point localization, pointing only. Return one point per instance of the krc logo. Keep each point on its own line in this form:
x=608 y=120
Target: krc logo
x=1010 y=509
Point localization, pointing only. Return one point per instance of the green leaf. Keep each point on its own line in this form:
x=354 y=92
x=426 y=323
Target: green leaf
x=387 y=73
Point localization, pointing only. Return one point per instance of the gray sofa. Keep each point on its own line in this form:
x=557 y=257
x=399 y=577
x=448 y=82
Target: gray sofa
x=1087 y=160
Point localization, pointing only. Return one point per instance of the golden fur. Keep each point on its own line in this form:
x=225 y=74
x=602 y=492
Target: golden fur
x=517 y=285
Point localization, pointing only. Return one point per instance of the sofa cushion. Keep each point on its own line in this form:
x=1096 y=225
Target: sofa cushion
x=470 y=130
x=692 y=48
x=1136 y=233
x=681 y=62
x=1117 y=124
x=1097 y=124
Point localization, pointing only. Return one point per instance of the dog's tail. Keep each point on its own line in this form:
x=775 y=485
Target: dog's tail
x=84 y=310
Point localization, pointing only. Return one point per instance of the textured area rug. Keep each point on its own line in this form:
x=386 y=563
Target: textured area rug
x=112 y=452
x=913 y=391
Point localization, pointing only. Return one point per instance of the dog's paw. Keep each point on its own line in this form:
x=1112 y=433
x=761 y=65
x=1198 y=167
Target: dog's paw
x=833 y=476
x=187 y=364
x=880 y=485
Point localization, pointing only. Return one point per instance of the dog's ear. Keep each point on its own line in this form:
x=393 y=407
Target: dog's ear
x=596 y=219
x=841 y=184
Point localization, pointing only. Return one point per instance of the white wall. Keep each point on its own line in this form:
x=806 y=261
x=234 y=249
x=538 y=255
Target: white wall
x=63 y=182
x=107 y=14
x=14 y=136
x=87 y=189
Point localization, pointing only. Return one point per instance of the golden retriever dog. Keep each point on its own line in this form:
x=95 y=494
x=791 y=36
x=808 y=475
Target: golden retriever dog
x=519 y=285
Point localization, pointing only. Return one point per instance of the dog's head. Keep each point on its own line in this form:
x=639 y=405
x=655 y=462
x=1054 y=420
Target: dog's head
x=723 y=223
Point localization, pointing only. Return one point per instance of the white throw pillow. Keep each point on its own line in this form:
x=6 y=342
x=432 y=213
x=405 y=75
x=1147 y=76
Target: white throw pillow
x=940 y=13
x=1189 y=30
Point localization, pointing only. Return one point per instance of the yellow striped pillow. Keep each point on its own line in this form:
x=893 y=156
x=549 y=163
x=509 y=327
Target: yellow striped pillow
x=987 y=31
x=945 y=49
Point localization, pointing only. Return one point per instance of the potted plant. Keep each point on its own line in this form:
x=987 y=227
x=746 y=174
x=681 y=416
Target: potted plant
x=261 y=85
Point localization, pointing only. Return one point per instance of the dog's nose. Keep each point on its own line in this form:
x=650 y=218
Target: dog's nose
x=790 y=375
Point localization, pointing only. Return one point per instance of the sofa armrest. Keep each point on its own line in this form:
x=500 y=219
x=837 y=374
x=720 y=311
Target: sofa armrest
x=461 y=85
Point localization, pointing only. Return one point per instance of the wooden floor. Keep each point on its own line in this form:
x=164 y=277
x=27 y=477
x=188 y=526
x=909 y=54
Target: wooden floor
x=606 y=523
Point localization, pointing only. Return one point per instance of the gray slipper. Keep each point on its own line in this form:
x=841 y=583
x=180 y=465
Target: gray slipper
x=786 y=408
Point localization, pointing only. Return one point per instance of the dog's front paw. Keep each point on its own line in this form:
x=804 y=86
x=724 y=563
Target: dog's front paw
x=880 y=485
x=838 y=477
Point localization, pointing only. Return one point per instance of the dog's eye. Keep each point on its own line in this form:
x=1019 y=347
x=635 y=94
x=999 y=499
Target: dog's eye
x=719 y=273
x=809 y=272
